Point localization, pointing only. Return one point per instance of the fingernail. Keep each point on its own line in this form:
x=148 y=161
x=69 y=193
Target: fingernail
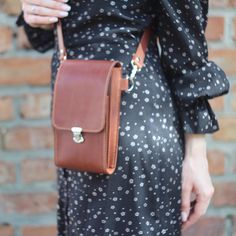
x=184 y=216
x=53 y=19
x=65 y=0
x=66 y=7
x=63 y=13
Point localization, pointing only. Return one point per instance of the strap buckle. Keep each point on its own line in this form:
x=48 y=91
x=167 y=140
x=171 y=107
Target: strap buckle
x=63 y=55
x=135 y=68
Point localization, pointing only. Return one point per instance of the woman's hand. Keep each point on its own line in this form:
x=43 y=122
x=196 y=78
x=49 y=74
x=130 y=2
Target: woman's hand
x=195 y=179
x=42 y=14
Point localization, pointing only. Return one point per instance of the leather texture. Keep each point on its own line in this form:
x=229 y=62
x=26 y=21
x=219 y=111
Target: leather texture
x=82 y=98
x=87 y=94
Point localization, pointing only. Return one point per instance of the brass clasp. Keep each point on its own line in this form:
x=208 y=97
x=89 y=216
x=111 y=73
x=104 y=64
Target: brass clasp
x=77 y=134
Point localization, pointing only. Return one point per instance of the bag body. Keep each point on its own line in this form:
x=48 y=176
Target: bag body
x=85 y=116
x=86 y=109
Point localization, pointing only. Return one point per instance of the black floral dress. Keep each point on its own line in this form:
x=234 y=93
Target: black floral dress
x=170 y=97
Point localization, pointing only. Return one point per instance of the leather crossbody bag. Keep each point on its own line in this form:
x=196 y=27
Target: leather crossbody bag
x=86 y=108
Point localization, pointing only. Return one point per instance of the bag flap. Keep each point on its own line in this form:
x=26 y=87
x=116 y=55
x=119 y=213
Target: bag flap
x=80 y=93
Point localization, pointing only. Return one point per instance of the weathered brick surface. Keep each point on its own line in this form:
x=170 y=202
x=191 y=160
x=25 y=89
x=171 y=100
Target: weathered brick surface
x=11 y=7
x=224 y=58
x=6 y=108
x=215 y=28
x=234 y=225
x=7 y=172
x=35 y=106
x=24 y=138
x=216 y=160
x=44 y=167
x=234 y=29
x=217 y=103
x=209 y=226
x=24 y=71
x=27 y=203
x=6 y=38
x=22 y=41
x=227 y=130
x=39 y=231
x=233 y=100
x=27 y=171
x=6 y=230
x=224 y=195
x=219 y=3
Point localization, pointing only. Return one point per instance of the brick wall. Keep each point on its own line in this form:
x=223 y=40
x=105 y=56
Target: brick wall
x=27 y=174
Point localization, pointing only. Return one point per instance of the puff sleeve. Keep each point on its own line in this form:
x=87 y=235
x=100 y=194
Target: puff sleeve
x=41 y=39
x=184 y=58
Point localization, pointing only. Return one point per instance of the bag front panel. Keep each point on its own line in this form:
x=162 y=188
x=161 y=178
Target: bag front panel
x=87 y=156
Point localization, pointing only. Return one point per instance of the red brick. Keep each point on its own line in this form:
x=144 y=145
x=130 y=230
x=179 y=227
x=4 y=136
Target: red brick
x=227 y=130
x=27 y=203
x=11 y=7
x=234 y=27
x=225 y=58
x=21 y=71
x=6 y=108
x=39 y=231
x=35 y=106
x=216 y=161
x=233 y=100
x=217 y=103
x=22 y=40
x=234 y=226
x=233 y=88
x=234 y=165
x=206 y=226
x=224 y=194
x=215 y=28
x=232 y=3
x=6 y=230
x=233 y=103
x=218 y=3
x=23 y=138
x=7 y=172
x=41 y=169
x=6 y=38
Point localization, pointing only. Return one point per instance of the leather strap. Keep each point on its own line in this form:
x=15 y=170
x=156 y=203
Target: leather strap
x=62 y=49
x=138 y=56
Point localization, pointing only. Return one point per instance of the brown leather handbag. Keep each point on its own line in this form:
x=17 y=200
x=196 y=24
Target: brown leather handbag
x=86 y=109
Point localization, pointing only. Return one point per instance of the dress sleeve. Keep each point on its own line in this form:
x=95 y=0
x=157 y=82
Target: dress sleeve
x=40 y=39
x=184 y=58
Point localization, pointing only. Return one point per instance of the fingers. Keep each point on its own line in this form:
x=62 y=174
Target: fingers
x=44 y=11
x=202 y=203
x=39 y=20
x=198 y=211
x=52 y=4
x=185 y=202
x=41 y=13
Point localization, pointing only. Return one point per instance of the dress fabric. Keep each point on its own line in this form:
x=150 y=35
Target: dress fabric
x=170 y=98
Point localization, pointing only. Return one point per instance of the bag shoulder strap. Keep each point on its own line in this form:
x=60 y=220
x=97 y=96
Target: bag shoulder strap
x=137 y=58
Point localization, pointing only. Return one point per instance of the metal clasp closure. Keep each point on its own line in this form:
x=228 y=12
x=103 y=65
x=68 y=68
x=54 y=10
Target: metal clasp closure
x=77 y=134
x=63 y=55
x=135 y=69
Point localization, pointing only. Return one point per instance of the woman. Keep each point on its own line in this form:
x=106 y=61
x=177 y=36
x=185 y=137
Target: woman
x=162 y=148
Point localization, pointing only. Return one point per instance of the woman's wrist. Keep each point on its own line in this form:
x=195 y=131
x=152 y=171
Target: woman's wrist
x=194 y=143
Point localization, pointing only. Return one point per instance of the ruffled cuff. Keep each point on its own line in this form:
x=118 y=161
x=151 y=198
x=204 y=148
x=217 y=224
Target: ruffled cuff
x=40 y=39
x=206 y=81
x=192 y=91
x=198 y=118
